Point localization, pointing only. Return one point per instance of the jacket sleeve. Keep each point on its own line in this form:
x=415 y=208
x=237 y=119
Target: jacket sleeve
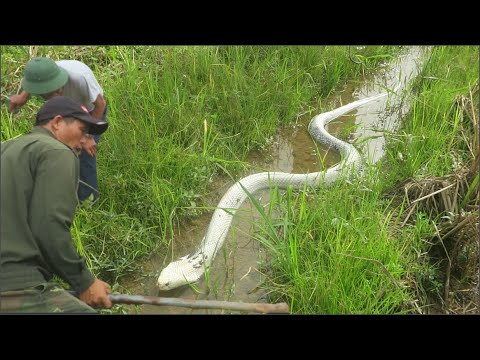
x=52 y=209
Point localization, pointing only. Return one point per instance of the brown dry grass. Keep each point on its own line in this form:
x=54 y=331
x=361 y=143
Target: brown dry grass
x=455 y=247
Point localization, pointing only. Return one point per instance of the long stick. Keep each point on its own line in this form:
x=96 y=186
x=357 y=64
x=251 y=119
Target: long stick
x=280 y=308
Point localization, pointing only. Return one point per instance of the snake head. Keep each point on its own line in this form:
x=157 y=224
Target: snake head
x=181 y=272
x=169 y=279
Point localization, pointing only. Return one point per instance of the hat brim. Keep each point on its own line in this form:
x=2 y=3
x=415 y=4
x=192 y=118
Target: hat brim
x=97 y=129
x=46 y=87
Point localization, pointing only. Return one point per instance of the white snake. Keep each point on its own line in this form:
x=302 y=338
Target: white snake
x=190 y=268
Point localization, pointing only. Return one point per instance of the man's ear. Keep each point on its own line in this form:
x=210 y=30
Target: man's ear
x=56 y=122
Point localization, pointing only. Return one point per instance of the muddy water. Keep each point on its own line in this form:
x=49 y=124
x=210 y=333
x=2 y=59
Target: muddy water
x=376 y=118
x=234 y=275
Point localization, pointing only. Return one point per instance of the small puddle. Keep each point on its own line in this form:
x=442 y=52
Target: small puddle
x=234 y=275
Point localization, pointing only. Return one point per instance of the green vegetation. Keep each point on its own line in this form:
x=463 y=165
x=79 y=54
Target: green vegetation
x=375 y=252
x=179 y=116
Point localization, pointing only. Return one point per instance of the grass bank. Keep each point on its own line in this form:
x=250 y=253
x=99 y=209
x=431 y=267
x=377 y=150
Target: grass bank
x=404 y=239
x=179 y=116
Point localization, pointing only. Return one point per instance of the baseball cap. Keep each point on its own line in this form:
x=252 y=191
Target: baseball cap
x=66 y=107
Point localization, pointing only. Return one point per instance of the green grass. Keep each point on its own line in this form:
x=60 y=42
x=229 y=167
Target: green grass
x=356 y=256
x=333 y=257
x=179 y=116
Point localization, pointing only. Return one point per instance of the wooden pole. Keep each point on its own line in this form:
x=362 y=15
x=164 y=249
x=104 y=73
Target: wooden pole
x=280 y=308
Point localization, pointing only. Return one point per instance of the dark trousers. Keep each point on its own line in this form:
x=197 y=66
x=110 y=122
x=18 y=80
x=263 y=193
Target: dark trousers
x=44 y=298
x=88 y=170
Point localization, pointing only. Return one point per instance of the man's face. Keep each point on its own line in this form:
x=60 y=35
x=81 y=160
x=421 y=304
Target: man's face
x=73 y=134
x=48 y=96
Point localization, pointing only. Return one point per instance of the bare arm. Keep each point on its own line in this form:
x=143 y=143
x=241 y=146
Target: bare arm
x=90 y=146
x=99 y=108
x=17 y=101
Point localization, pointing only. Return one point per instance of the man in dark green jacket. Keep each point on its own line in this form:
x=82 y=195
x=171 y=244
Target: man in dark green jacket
x=39 y=181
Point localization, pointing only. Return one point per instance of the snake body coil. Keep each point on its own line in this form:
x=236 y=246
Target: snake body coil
x=190 y=268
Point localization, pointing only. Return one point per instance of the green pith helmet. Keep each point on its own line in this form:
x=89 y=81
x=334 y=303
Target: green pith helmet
x=43 y=76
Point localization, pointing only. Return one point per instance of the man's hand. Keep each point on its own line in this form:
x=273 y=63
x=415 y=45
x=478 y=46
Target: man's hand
x=97 y=295
x=17 y=101
x=90 y=146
